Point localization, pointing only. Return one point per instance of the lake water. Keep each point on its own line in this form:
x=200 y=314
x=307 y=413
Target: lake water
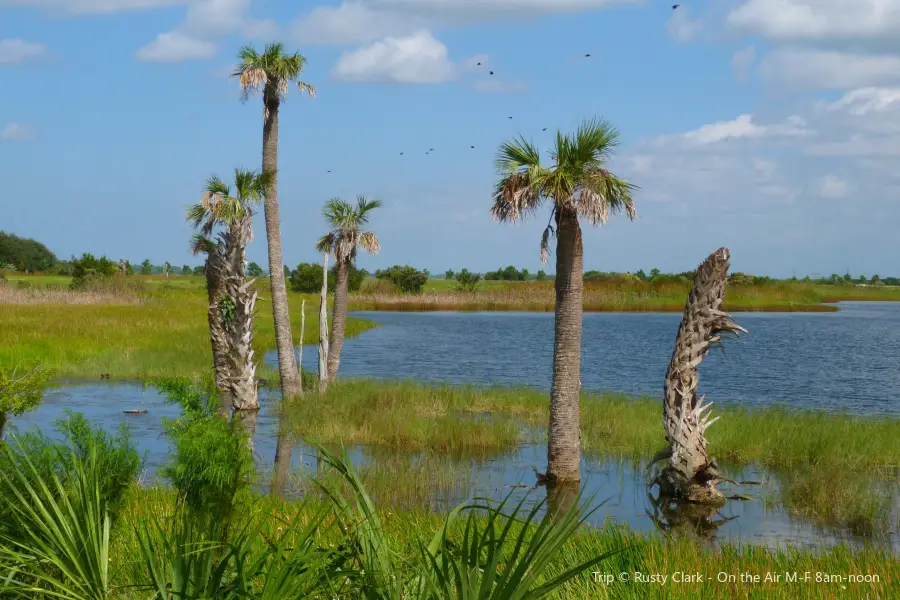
x=838 y=361
x=844 y=361
x=619 y=486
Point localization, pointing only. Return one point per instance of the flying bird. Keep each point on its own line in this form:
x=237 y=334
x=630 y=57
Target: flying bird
x=510 y=117
x=479 y=64
x=587 y=55
x=329 y=171
x=431 y=149
x=492 y=72
x=401 y=154
x=544 y=129
x=471 y=146
x=674 y=6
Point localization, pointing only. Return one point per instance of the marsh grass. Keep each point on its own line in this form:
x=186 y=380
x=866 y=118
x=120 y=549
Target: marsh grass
x=837 y=470
x=405 y=530
x=163 y=335
x=614 y=296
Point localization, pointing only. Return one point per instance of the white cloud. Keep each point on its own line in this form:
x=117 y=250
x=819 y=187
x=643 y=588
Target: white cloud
x=738 y=128
x=833 y=187
x=742 y=61
x=17 y=132
x=16 y=50
x=205 y=21
x=353 y=23
x=829 y=69
x=93 y=7
x=863 y=21
x=680 y=26
x=418 y=58
x=865 y=101
x=174 y=47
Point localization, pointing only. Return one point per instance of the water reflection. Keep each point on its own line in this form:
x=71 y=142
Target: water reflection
x=437 y=482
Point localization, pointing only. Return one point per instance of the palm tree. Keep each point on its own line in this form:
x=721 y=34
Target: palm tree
x=215 y=290
x=577 y=184
x=271 y=72
x=346 y=235
x=235 y=213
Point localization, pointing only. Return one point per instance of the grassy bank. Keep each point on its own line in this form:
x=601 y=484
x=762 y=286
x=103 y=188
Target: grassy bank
x=160 y=330
x=836 y=470
x=642 y=554
x=622 y=296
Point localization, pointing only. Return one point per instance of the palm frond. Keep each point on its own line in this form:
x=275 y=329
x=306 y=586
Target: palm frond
x=368 y=242
x=308 y=88
x=519 y=191
x=326 y=243
x=602 y=193
x=364 y=206
x=200 y=244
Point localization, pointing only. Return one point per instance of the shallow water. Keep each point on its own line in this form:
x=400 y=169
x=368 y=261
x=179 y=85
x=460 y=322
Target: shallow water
x=618 y=485
x=841 y=361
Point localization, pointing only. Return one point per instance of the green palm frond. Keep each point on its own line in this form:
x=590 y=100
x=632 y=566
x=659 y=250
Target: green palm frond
x=200 y=244
x=271 y=70
x=346 y=235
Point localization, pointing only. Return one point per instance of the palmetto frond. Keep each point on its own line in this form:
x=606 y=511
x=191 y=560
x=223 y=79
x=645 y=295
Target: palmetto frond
x=577 y=182
x=218 y=206
x=518 y=193
x=200 y=244
x=272 y=70
x=346 y=221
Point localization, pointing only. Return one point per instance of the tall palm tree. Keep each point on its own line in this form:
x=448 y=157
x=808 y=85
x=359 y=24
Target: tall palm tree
x=215 y=291
x=346 y=235
x=235 y=213
x=271 y=72
x=577 y=184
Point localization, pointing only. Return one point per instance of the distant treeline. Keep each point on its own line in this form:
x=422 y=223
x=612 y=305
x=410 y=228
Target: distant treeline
x=24 y=255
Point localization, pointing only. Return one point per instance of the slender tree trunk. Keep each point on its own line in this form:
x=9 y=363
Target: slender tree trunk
x=215 y=290
x=287 y=369
x=564 y=444
x=323 y=328
x=239 y=323
x=338 y=318
x=691 y=473
x=300 y=345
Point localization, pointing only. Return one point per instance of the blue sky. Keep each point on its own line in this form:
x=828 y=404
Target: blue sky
x=768 y=126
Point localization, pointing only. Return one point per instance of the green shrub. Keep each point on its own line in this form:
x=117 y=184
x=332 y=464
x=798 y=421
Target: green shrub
x=409 y=279
x=88 y=269
x=307 y=278
x=467 y=280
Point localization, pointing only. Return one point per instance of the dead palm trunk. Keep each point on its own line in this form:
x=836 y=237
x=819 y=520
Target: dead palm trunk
x=238 y=307
x=564 y=443
x=215 y=290
x=287 y=369
x=691 y=473
x=338 y=317
x=323 y=328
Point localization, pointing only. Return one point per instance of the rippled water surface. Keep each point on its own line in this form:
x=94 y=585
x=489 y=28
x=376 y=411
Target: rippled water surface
x=841 y=361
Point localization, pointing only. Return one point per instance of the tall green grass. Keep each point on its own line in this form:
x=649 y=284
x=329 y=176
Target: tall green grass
x=164 y=336
x=837 y=470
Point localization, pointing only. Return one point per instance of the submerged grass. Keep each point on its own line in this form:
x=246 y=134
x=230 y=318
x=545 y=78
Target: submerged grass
x=838 y=470
x=618 y=296
x=164 y=335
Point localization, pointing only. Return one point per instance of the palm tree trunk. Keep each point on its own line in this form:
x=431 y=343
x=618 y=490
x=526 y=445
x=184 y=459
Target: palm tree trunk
x=691 y=473
x=215 y=290
x=287 y=368
x=338 y=318
x=564 y=444
x=239 y=323
x=323 y=328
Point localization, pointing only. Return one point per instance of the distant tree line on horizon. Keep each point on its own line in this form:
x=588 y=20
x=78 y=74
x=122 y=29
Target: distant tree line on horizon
x=25 y=255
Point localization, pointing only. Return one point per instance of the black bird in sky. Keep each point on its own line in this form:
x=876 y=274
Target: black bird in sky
x=479 y=64
x=674 y=6
x=544 y=129
x=510 y=117
x=431 y=149
x=329 y=171
x=587 y=55
x=401 y=154
x=492 y=72
x=471 y=146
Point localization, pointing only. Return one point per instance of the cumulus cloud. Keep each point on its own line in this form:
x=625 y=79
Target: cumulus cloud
x=175 y=47
x=864 y=21
x=93 y=7
x=866 y=101
x=204 y=22
x=740 y=127
x=353 y=23
x=16 y=50
x=417 y=58
x=829 y=69
x=17 y=132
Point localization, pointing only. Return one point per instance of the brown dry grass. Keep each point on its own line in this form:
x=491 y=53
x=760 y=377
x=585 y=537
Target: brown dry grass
x=24 y=296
